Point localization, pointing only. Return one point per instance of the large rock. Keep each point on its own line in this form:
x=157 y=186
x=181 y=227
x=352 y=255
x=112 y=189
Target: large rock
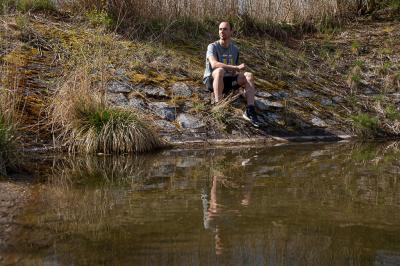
x=264 y=104
x=117 y=99
x=326 y=102
x=280 y=95
x=163 y=110
x=153 y=91
x=181 y=89
x=119 y=87
x=137 y=103
x=304 y=93
x=165 y=126
x=263 y=94
x=318 y=122
x=189 y=121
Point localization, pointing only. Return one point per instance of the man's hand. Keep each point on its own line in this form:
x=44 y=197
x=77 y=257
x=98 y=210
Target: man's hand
x=241 y=67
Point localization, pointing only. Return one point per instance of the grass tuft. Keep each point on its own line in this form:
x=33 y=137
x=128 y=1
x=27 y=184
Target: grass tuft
x=366 y=126
x=84 y=122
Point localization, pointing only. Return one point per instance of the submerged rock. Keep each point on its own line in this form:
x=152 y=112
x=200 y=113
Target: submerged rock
x=119 y=87
x=189 y=121
x=163 y=110
x=181 y=89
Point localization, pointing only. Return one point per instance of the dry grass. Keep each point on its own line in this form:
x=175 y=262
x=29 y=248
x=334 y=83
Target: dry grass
x=9 y=120
x=84 y=122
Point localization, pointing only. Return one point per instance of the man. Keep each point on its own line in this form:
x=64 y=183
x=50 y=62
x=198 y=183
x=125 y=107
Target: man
x=223 y=72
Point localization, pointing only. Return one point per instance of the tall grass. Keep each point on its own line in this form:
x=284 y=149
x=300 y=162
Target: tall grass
x=84 y=122
x=8 y=128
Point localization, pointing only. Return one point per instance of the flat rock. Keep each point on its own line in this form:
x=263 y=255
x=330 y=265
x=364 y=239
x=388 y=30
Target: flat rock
x=318 y=122
x=153 y=91
x=338 y=99
x=304 y=93
x=163 y=110
x=119 y=87
x=273 y=118
x=137 y=103
x=263 y=104
x=263 y=94
x=181 y=89
x=326 y=102
x=189 y=121
x=165 y=125
x=280 y=95
x=117 y=99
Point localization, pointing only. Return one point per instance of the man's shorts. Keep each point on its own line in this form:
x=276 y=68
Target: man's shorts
x=230 y=84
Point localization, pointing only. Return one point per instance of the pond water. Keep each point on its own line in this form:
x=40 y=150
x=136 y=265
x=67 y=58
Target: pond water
x=314 y=204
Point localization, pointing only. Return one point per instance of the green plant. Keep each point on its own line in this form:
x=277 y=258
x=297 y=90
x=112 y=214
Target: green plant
x=392 y=113
x=85 y=123
x=100 y=18
x=365 y=125
x=35 y=5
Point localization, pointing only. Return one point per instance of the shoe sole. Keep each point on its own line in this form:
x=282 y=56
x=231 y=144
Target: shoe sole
x=248 y=119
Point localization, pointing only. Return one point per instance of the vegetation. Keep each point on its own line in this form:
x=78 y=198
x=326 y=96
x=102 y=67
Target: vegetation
x=365 y=125
x=85 y=123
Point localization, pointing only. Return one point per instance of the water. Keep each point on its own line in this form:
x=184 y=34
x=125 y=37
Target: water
x=325 y=204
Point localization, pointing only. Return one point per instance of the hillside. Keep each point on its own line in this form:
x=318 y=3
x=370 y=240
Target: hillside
x=345 y=82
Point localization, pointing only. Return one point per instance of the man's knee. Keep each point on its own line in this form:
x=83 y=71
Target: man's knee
x=249 y=76
x=218 y=72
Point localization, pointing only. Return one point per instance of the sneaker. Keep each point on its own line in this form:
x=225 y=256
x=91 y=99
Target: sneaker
x=250 y=115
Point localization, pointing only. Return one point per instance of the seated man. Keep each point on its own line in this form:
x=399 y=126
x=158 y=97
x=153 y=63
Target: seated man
x=224 y=73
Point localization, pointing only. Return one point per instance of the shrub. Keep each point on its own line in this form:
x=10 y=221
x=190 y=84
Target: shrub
x=85 y=123
x=365 y=125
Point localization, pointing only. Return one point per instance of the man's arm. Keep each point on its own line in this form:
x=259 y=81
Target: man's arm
x=215 y=64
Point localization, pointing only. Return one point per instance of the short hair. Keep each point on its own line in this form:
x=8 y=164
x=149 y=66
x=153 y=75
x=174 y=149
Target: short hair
x=230 y=24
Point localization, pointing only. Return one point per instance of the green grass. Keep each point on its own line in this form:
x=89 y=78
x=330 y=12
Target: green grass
x=27 y=5
x=366 y=126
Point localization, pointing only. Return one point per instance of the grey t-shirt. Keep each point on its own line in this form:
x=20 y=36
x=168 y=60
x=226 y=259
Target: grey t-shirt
x=229 y=56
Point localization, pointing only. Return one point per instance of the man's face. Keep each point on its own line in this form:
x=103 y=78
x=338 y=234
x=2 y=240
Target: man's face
x=225 y=31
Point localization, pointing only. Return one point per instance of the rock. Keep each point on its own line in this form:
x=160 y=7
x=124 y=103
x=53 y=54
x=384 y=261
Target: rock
x=280 y=95
x=318 y=122
x=338 y=99
x=137 y=103
x=117 y=99
x=263 y=94
x=304 y=93
x=119 y=87
x=326 y=102
x=154 y=91
x=263 y=104
x=189 y=121
x=163 y=110
x=273 y=118
x=181 y=89
x=165 y=125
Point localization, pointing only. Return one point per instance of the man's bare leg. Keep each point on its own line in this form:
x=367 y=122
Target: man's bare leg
x=218 y=83
x=247 y=80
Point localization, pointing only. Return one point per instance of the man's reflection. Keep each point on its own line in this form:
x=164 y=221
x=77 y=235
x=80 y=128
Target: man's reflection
x=212 y=207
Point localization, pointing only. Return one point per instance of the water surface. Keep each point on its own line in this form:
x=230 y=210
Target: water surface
x=320 y=204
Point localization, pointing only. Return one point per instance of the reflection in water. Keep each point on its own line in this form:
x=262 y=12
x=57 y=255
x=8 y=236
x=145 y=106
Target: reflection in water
x=332 y=204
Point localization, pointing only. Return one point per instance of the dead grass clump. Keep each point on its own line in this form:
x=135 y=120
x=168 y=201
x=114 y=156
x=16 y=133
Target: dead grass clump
x=84 y=122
